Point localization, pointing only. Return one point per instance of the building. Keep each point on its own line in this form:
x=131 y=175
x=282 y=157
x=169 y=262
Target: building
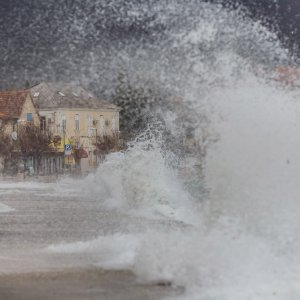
x=16 y=111
x=76 y=118
x=17 y=107
x=288 y=75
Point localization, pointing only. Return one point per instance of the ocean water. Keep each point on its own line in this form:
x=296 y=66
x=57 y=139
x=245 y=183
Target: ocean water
x=236 y=239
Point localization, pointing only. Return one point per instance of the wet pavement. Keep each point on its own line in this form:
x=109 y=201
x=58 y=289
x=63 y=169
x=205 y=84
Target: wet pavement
x=80 y=285
x=39 y=219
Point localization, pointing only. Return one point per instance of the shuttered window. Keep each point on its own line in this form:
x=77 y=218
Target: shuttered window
x=29 y=117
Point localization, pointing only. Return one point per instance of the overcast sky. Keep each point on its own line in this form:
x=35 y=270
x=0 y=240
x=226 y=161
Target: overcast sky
x=283 y=15
x=41 y=38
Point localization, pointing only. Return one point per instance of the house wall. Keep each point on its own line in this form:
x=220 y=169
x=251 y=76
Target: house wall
x=8 y=126
x=86 y=119
x=54 y=121
x=28 y=107
x=92 y=123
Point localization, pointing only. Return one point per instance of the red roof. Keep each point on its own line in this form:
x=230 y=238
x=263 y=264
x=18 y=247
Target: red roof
x=11 y=103
x=289 y=75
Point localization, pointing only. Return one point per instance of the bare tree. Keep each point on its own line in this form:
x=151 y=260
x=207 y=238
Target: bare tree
x=6 y=150
x=143 y=104
x=138 y=103
x=6 y=144
x=32 y=141
x=106 y=144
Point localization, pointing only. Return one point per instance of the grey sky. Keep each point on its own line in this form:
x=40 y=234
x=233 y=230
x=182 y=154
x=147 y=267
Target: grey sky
x=48 y=38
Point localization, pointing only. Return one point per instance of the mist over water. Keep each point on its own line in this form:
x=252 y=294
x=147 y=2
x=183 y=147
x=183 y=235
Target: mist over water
x=238 y=240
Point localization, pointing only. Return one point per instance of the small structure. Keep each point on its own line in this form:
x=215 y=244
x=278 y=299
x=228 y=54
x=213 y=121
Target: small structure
x=77 y=119
x=21 y=135
x=17 y=107
x=30 y=149
x=288 y=75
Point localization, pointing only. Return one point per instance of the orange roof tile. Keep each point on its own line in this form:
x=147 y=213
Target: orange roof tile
x=289 y=75
x=11 y=103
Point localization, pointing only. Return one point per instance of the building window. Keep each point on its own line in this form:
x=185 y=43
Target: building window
x=29 y=117
x=92 y=125
x=43 y=123
x=114 y=124
x=90 y=121
x=64 y=124
x=77 y=122
x=102 y=124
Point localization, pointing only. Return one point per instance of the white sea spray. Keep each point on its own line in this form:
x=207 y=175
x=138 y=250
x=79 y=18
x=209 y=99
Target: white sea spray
x=239 y=241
